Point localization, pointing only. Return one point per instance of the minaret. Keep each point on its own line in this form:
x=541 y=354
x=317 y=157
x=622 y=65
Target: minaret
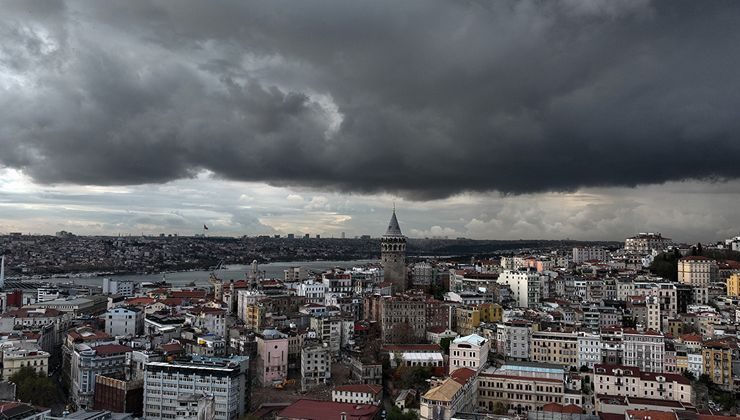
x=253 y=274
x=393 y=255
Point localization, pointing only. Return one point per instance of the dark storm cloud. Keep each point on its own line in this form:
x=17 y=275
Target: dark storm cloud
x=421 y=98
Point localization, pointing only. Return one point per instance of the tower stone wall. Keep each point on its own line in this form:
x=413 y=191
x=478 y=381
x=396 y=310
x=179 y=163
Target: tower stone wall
x=393 y=256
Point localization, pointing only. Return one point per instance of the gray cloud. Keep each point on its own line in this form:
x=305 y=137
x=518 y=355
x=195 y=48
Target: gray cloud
x=420 y=98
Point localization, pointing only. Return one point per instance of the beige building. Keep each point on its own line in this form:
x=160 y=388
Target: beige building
x=468 y=319
x=16 y=358
x=628 y=381
x=556 y=347
x=470 y=352
x=642 y=243
x=733 y=285
x=718 y=355
x=454 y=394
x=522 y=387
x=697 y=271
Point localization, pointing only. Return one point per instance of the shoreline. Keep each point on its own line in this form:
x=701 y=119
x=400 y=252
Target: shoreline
x=56 y=277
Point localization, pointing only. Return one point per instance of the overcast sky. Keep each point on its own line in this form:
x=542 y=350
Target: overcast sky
x=504 y=120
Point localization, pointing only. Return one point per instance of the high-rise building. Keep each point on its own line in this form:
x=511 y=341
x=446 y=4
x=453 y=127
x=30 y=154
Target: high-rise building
x=225 y=381
x=393 y=255
x=524 y=285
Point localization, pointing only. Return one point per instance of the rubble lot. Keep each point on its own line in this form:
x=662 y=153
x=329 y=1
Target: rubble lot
x=291 y=393
x=340 y=375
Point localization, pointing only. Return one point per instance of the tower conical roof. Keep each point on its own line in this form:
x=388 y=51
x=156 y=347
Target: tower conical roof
x=393 y=228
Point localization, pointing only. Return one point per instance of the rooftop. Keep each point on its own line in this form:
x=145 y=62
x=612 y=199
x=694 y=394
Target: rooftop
x=305 y=409
x=365 y=388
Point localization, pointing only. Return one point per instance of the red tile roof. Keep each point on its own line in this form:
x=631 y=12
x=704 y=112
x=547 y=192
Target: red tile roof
x=436 y=330
x=558 y=408
x=320 y=410
x=462 y=375
x=412 y=347
x=93 y=335
x=635 y=372
x=140 y=301
x=188 y=294
x=107 y=349
x=650 y=415
x=171 y=348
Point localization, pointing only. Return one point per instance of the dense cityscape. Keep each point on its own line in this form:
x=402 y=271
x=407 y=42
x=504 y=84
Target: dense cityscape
x=580 y=333
x=369 y=210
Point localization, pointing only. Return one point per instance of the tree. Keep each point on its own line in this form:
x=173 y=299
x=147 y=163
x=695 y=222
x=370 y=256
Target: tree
x=445 y=344
x=396 y=414
x=412 y=377
x=499 y=408
x=689 y=375
x=666 y=265
x=33 y=388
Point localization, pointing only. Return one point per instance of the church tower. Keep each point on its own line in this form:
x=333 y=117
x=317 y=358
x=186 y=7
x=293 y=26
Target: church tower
x=393 y=255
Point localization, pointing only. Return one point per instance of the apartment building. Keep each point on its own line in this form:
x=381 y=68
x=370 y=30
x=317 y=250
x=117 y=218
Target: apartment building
x=28 y=318
x=313 y=291
x=491 y=312
x=124 y=321
x=524 y=285
x=272 y=357
x=733 y=285
x=87 y=362
x=15 y=358
x=645 y=312
x=225 y=380
x=468 y=319
x=555 y=347
x=329 y=330
x=642 y=243
x=697 y=271
x=118 y=287
x=614 y=380
x=403 y=319
x=589 y=349
x=644 y=350
x=470 y=351
x=589 y=253
x=315 y=364
x=212 y=320
x=612 y=345
x=513 y=339
x=717 y=356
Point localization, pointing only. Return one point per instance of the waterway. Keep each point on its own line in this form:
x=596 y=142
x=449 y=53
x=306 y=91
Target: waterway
x=232 y=272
